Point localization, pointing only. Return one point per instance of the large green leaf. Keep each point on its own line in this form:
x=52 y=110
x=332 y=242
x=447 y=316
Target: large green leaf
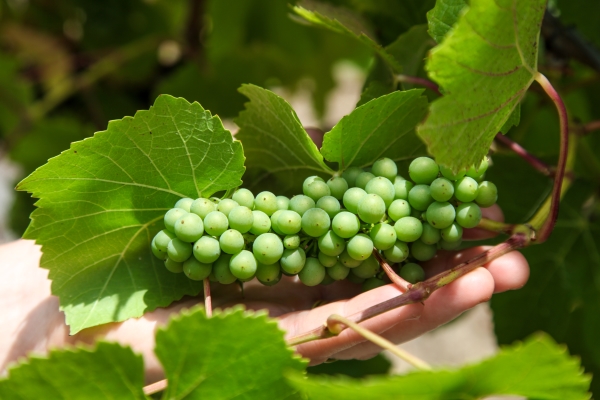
x=279 y=152
x=443 y=16
x=537 y=369
x=484 y=66
x=233 y=354
x=383 y=127
x=107 y=372
x=102 y=200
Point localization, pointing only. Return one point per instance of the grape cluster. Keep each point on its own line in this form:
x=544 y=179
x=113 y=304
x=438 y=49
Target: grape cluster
x=328 y=233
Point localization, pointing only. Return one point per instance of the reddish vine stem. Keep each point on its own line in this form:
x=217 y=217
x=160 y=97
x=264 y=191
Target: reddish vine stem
x=419 y=81
x=590 y=127
x=550 y=221
x=207 y=298
x=394 y=277
x=422 y=290
x=536 y=163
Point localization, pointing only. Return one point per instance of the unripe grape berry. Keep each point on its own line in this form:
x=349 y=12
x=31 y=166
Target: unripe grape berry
x=382 y=187
x=452 y=234
x=423 y=170
x=367 y=268
x=261 y=223
x=179 y=250
x=477 y=172
x=422 y=251
x=401 y=188
x=173 y=266
x=450 y=245
x=354 y=279
x=301 y=204
x=241 y=219
x=221 y=270
x=338 y=271
x=291 y=241
x=268 y=275
x=465 y=189
x=283 y=203
x=243 y=265
x=327 y=280
x=189 y=228
x=408 y=229
x=327 y=261
x=345 y=224
x=430 y=234
x=397 y=253
x=419 y=197
x=184 y=203
x=331 y=244
x=441 y=189
x=158 y=253
x=448 y=174
x=348 y=261
x=487 y=194
x=172 y=216
x=313 y=272
x=315 y=222
x=363 y=178
x=310 y=180
x=201 y=207
x=289 y=222
x=412 y=272
x=275 y=222
x=196 y=270
x=399 y=209
x=267 y=248
x=468 y=215
x=371 y=208
x=244 y=197
x=226 y=205
x=352 y=197
x=351 y=174
x=162 y=239
x=231 y=241
x=266 y=202
x=372 y=283
x=215 y=223
x=317 y=189
x=385 y=167
x=383 y=236
x=337 y=186
x=330 y=205
x=207 y=249
x=292 y=261
x=441 y=215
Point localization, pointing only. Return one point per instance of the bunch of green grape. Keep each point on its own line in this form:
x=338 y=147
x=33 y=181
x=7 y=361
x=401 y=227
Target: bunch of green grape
x=330 y=232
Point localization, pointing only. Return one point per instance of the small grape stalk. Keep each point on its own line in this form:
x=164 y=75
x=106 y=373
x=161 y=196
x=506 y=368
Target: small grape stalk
x=329 y=232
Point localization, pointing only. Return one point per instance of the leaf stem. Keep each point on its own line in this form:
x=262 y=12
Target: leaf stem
x=589 y=128
x=419 y=81
x=536 y=163
x=335 y=321
x=394 y=277
x=155 y=387
x=207 y=298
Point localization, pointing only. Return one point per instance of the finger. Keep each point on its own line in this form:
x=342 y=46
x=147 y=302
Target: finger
x=494 y=213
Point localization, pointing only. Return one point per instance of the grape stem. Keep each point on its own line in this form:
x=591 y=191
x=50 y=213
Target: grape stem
x=589 y=128
x=155 y=387
x=394 y=277
x=419 y=81
x=207 y=298
x=336 y=323
x=536 y=163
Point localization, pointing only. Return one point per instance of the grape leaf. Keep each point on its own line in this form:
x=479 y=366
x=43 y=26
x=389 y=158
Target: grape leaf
x=383 y=127
x=443 y=16
x=537 y=368
x=102 y=201
x=233 y=354
x=484 y=66
x=278 y=150
x=108 y=371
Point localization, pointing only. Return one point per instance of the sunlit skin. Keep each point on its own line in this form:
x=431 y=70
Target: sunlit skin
x=32 y=322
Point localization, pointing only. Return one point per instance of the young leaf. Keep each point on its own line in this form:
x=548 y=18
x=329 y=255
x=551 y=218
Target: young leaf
x=102 y=201
x=383 y=127
x=233 y=354
x=484 y=67
x=107 y=372
x=443 y=16
x=536 y=369
x=276 y=146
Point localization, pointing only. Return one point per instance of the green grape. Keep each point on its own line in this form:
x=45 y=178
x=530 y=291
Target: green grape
x=352 y=197
x=268 y=248
x=196 y=270
x=207 y=249
x=385 y=167
x=480 y=170
x=372 y=283
x=327 y=261
x=397 y=253
x=423 y=170
x=448 y=174
x=275 y=222
x=292 y=261
x=338 y=272
x=178 y=250
x=351 y=174
x=348 y=261
x=283 y=203
x=222 y=271
x=289 y=222
x=172 y=216
x=354 y=279
x=331 y=244
x=231 y=241
x=317 y=189
x=327 y=280
x=189 y=228
x=201 y=207
x=468 y=215
x=368 y=268
x=310 y=180
x=345 y=224
x=450 y=245
x=419 y=197
x=243 y=265
x=160 y=254
x=363 y=178
x=401 y=188
x=412 y=272
x=184 y=203
x=313 y=272
x=291 y=241
x=266 y=202
x=399 y=209
x=465 y=189
x=371 y=208
x=301 y=204
x=420 y=215
x=261 y=223
x=330 y=205
x=382 y=187
x=441 y=189
x=487 y=194
x=226 y=205
x=268 y=275
x=337 y=186
x=360 y=247
x=383 y=236
x=244 y=197
x=162 y=240
x=315 y=222
x=453 y=233
x=422 y=251
x=408 y=229
x=430 y=234
x=441 y=215
x=215 y=223
x=174 y=266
